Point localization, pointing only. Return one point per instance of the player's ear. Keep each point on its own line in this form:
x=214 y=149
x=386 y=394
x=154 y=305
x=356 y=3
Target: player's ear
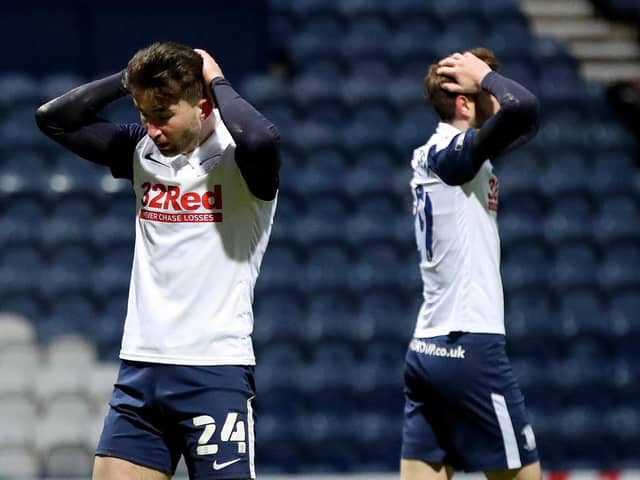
x=463 y=106
x=206 y=107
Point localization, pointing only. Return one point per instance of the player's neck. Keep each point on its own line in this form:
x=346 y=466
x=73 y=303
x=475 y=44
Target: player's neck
x=208 y=127
x=461 y=124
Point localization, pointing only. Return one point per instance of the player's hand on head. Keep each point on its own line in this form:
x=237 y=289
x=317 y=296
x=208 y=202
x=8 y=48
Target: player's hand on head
x=466 y=71
x=210 y=68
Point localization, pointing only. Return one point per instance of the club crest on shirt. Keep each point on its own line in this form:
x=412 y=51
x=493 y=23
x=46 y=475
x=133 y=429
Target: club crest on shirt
x=493 y=194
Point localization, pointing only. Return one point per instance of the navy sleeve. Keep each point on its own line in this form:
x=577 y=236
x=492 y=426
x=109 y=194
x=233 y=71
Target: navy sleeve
x=72 y=120
x=257 y=140
x=515 y=123
x=454 y=164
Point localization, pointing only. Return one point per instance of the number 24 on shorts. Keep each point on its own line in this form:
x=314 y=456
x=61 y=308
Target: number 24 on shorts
x=233 y=430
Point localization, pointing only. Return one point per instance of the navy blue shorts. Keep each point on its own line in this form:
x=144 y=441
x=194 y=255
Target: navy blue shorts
x=160 y=412
x=463 y=405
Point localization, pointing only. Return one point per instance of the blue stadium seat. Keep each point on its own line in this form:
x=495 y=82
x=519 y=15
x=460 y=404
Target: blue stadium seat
x=354 y=11
x=318 y=180
x=517 y=228
x=264 y=90
x=21 y=268
x=567 y=174
x=606 y=136
x=319 y=100
x=516 y=169
x=559 y=87
x=72 y=173
x=499 y=11
x=622 y=313
x=24 y=171
x=581 y=312
x=309 y=137
x=580 y=431
x=306 y=9
x=400 y=12
x=359 y=92
x=313 y=229
x=19 y=88
x=530 y=314
x=106 y=331
x=576 y=203
x=19 y=218
x=282 y=115
x=560 y=227
x=536 y=383
x=617 y=180
x=365 y=227
x=365 y=40
x=614 y=222
x=278 y=450
x=366 y=178
x=621 y=425
x=332 y=315
x=406 y=93
x=112 y=271
x=412 y=50
x=112 y=230
x=377 y=437
x=281 y=268
x=526 y=265
x=459 y=9
x=379 y=387
x=326 y=266
x=620 y=270
x=69 y=314
x=358 y=137
x=574 y=265
x=551 y=50
x=18 y=129
x=69 y=272
x=460 y=33
x=383 y=315
x=55 y=84
x=510 y=40
x=409 y=134
x=309 y=47
x=327 y=26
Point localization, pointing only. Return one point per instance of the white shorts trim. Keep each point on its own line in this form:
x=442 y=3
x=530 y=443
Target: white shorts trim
x=506 y=429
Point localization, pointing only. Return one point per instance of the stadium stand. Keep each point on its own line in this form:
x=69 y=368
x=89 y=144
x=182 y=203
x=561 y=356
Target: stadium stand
x=339 y=288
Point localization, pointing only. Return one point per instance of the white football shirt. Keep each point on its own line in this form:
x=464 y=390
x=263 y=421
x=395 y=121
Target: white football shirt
x=457 y=237
x=200 y=238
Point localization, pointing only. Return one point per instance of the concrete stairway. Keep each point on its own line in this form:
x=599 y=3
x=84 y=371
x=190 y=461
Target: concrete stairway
x=607 y=51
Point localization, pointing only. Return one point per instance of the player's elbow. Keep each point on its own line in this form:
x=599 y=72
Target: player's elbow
x=45 y=119
x=42 y=117
x=523 y=114
x=264 y=145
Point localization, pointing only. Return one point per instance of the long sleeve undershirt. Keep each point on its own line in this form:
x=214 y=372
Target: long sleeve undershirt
x=515 y=123
x=73 y=121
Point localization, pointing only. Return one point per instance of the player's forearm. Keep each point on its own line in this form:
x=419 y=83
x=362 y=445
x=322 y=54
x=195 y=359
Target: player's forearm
x=79 y=106
x=516 y=122
x=257 y=139
x=72 y=121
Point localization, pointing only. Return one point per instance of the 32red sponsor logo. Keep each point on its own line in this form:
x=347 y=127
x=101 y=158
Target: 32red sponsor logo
x=183 y=205
x=169 y=197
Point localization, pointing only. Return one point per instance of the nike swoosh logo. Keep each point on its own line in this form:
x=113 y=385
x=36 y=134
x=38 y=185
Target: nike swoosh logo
x=220 y=466
x=149 y=157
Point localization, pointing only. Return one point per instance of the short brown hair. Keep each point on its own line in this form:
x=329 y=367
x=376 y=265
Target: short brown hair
x=444 y=102
x=171 y=70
